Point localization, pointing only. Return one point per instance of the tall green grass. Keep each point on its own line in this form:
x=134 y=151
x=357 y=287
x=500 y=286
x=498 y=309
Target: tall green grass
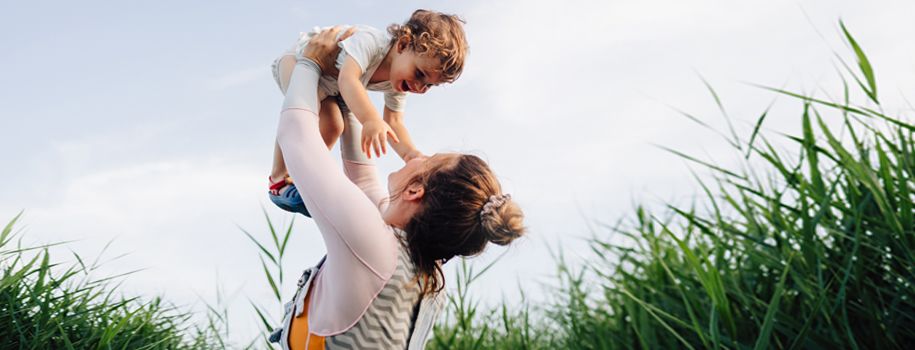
x=47 y=305
x=812 y=247
x=272 y=250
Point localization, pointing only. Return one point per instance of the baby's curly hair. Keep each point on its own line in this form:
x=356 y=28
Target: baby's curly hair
x=438 y=35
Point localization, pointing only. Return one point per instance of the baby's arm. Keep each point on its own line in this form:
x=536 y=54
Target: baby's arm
x=405 y=148
x=374 y=130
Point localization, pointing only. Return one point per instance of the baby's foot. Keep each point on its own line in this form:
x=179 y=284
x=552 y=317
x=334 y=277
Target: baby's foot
x=285 y=195
x=278 y=186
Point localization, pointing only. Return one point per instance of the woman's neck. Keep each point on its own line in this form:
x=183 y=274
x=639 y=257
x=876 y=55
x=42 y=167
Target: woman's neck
x=383 y=72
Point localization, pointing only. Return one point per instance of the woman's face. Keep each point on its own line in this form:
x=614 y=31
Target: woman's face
x=398 y=179
x=400 y=211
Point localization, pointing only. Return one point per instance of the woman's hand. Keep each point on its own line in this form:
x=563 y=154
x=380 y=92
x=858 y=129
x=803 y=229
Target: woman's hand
x=323 y=48
x=374 y=136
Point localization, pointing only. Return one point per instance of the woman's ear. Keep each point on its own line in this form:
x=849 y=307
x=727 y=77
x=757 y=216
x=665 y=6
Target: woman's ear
x=414 y=192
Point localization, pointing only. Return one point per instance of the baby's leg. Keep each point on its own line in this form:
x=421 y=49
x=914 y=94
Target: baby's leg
x=330 y=121
x=282 y=71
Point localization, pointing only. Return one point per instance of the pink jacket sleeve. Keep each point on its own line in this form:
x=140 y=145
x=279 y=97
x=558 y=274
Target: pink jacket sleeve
x=361 y=247
x=359 y=168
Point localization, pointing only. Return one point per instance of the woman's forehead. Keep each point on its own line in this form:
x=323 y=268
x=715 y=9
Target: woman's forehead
x=440 y=159
x=444 y=155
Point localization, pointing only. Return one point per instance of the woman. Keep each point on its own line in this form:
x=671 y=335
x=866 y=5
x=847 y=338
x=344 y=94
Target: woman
x=379 y=285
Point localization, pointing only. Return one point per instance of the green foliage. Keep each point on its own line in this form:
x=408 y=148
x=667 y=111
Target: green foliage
x=818 y=252
x=44 y=305
x=274 y=251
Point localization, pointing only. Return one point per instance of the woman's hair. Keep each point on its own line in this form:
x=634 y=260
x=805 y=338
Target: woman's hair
x=435 y=34
x=452 y=221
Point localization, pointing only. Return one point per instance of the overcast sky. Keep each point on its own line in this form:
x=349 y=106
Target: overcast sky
x=151 y=123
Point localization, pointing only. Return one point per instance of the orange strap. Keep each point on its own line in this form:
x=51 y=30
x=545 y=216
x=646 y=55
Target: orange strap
x=299 y=337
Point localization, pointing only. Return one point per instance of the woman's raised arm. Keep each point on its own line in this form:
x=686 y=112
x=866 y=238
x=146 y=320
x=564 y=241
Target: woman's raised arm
x=354 y=232
x=360 y=169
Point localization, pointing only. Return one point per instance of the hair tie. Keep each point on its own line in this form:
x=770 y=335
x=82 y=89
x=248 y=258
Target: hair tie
x=494 y=202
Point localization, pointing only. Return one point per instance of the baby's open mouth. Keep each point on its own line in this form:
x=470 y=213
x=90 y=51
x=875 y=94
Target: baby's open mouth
x=404 y=86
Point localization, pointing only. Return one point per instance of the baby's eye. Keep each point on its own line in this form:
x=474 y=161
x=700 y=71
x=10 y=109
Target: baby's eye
x=419 y=74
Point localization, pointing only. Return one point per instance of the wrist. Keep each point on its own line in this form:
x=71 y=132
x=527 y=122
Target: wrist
x=372 y=120
x=308 y=61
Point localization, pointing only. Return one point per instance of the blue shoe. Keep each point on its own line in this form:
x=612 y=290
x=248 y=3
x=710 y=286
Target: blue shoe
x=290 y=201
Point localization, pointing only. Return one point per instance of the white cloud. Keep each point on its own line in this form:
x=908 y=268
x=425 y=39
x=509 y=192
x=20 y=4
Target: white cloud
x=176 y=220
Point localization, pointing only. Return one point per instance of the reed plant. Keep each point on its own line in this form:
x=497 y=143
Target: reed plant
x=810 y=247
x=50 y=305
x=271 y=252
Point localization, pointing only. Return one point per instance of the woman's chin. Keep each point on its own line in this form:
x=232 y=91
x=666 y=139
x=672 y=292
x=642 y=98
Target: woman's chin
x=387 y=214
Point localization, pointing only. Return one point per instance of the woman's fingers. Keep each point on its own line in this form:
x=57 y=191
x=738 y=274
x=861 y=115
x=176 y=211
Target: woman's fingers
x=326 y=37
x=322 y=48
x=332 y=69
x=384 y=143
x=348 y=33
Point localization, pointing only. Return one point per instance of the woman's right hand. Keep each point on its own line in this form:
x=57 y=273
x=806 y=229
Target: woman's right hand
x=323 y=49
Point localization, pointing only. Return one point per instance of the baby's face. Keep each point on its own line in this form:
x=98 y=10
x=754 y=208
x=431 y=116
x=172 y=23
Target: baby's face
x=412 y=72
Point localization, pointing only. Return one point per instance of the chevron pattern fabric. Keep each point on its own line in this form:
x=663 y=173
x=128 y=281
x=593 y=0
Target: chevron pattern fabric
x=388 y=321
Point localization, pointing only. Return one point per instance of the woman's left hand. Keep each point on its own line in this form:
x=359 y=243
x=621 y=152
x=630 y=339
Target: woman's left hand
x=323 y=49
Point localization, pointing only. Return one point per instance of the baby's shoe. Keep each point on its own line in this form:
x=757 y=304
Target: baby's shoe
x=286 y=196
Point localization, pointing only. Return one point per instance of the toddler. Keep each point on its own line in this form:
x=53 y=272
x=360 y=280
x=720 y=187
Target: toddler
x=425 y=51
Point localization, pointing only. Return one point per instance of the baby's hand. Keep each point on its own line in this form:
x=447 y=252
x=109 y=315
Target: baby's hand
x=375 y=136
